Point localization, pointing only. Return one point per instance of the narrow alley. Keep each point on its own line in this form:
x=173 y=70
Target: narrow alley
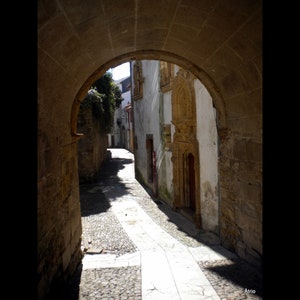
x=137 y=247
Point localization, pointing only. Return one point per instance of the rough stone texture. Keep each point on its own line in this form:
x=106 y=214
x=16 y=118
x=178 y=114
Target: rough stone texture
x=124 y=283
x=102 y=232
x=59 y=222
x=241 y=197
x=228 y=279
x=113 y=283
x=223 y=48
x=91 y=147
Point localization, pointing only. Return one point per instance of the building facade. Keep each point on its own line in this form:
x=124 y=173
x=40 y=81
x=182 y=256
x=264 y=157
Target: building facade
x=175 y=140
x=121 y=134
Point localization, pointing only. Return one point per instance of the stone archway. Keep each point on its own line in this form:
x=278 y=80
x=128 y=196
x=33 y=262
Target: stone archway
x=220 y=42
x=153 y=55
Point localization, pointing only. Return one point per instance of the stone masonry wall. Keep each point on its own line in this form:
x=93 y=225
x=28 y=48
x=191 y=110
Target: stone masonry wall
x=240 y=170
x=59 y=224
x=91 y=148
x=219 y=41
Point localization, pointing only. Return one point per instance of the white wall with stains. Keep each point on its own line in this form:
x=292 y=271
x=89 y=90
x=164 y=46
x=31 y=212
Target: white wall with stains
x=208 y=153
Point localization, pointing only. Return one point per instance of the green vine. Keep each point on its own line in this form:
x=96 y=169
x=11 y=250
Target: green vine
x=103 y=98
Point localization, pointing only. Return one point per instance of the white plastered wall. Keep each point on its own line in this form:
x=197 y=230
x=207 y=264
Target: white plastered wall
x=208 y=153
x=146 y=115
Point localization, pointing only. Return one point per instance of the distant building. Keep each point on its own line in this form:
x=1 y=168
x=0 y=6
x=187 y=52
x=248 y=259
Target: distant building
x=122 y=129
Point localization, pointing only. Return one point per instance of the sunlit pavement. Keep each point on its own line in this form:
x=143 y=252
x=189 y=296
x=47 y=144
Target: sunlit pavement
x=168 y=267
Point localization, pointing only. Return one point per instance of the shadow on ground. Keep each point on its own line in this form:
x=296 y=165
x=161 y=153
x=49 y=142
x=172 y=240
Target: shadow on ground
x=110 y=168
x=182 y=223
x=92 y=200
x=95 y=198
x=236 y=272
x=92 y=196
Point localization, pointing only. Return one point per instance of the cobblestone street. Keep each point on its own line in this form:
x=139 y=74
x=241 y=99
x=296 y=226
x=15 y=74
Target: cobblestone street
x=114 y=259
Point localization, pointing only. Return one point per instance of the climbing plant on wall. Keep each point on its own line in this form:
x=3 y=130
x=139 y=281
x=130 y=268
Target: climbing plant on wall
x=103 y=98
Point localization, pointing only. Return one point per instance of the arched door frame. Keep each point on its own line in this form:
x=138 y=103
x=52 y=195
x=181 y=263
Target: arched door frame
x=206 y=80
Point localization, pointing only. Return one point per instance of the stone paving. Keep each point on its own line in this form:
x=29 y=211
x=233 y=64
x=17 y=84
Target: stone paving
x=102 y=232
x=119 y=259
x=111 y=283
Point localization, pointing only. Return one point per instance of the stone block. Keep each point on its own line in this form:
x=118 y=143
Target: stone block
x=226 y=179
x=244 y=105
x=239 y=150
x=66 y=257
x=248 y=223
x=76 y=234
x=249 y=172
x=253 y=240
x=240 y=248
x=251 y=75
x=66 y=186
x=236 y=106
x=253 y=210
x=120 y=41
x=259 y=63
x=254 y=151
x=253 y=102
x=228 y=236
x=253 y=28
x=47 y=9
x=228 y=196
x=248 y=193
x=219 y=17
x=159 y=12
x=48 y=36
x=227 y=210
x=196 y=17
x=152 y=38
x=248 y=127
x=232 y=83
x=213 y=39
x=243 y=46
x=183 y=33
